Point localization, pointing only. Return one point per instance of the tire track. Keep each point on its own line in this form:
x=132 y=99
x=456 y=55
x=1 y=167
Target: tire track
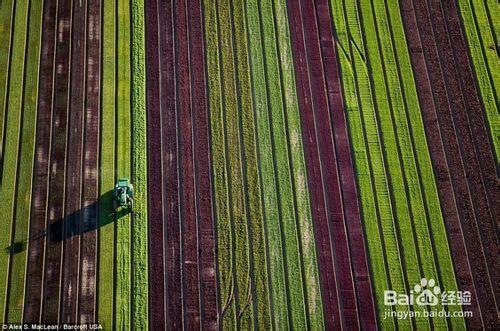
x=52 y=276
x=38 y=217
x=206 y=223
x=90 y=191
x=70 y=224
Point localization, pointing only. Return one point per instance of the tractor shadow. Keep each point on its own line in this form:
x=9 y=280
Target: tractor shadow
x=86 y=219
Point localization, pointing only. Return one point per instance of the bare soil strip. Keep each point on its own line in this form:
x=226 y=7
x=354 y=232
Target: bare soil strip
x=206 y=236
x=70 y=224
x=53 y=255
x=90 y=190
x=449 y=123
x=36 y=245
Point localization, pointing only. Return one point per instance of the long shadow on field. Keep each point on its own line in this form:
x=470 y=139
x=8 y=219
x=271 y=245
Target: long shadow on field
x=87 y=219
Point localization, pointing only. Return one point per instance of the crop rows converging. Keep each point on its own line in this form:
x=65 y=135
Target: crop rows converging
x=249 y=164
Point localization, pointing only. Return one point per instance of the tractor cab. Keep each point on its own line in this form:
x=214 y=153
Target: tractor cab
x=123 y=194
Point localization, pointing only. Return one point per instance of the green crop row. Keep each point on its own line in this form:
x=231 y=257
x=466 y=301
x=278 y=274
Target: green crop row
x=220 y=175
x=107 y=170
x=372 y=183
x=433 y=225
x=6 y=15
x=253 y=188
x=139 y=171
x=23 y=199
x=266 y=166
x=482 y=25
x=123 y=227
x=236 y=188
x=286 y=228
x=391 y=92
x=12 y=128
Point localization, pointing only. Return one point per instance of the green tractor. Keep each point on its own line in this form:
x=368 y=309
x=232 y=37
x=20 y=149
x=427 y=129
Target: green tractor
x=123 y=194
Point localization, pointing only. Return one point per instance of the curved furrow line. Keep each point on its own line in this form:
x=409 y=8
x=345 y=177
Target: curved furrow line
x=69 y=225
x=312 y=152
x=206 y=223
x=53 y=255
x=90 y=190
x=353 y=223
x=443 y=145
x=39 y=202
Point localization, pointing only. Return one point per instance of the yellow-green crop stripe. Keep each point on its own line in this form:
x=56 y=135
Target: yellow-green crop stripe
x=8 y=167
x=105 y=294
x=24 y=177
x=123 y=220
x=139 y=171
x=6 y=15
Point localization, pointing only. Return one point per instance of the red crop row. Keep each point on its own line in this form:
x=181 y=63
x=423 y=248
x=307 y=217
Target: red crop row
x=459 y=146
x=66 y=157
x=346 y=288
x=182 y=262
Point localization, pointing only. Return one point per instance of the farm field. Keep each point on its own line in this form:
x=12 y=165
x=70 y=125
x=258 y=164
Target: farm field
x=293 y=164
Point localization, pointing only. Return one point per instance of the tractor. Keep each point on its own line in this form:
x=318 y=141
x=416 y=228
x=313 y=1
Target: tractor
x=123 y=194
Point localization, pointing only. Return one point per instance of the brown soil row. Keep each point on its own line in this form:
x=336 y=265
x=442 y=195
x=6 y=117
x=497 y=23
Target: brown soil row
x=346 y=288
x=452 y=117
x=52 y=272
x=36 y=245
x=72 y=220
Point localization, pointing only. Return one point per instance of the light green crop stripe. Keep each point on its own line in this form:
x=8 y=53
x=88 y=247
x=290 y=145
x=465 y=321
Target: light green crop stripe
x=266 y=167
x=139 y=171
x=107 y=170
x=123 y=223
x=294 y=134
